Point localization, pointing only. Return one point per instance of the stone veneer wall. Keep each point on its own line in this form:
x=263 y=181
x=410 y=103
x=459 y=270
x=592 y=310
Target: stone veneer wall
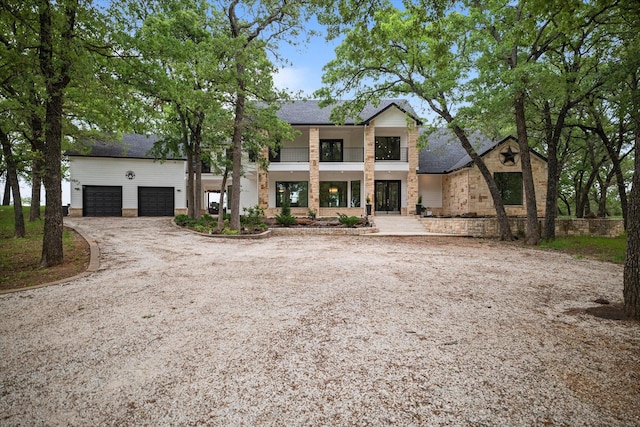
x=369 y=162
x=412 y=177
x=263 y=183
x=465 y=191
x=455 y=193
x=314 y=169
x=488 y=227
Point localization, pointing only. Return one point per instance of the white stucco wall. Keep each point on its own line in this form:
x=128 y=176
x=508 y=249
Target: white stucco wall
x=392 y=117
x=430 y=188
x=109 y=171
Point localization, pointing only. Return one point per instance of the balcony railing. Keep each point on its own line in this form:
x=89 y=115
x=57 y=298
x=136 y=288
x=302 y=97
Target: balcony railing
x=349 y=154
x=294 y=154
x=398 y=156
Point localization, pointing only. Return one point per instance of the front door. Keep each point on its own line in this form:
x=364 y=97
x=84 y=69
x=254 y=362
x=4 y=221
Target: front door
x=387 y=198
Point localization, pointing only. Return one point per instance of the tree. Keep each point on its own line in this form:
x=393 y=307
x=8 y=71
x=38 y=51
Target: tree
x=630 y=54
x=12 y=180
x=421 y=52
x=252 y=32
x=205 y=69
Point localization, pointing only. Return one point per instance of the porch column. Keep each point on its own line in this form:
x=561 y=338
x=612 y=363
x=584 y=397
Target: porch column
x=412 y=177
x=369 y=163
x=314 y=169
x=263 y=182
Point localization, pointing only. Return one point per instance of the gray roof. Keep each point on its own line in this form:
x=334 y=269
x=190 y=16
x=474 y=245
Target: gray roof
x=310 y=113
x=444 y=152
x=132 y=146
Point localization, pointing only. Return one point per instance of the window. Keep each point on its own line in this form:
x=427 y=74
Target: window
x=510 y=186
x=331 y=150
x=355 y=194
x=387 y=148
x=296 y=193
x=333 y=194
x=274 y=155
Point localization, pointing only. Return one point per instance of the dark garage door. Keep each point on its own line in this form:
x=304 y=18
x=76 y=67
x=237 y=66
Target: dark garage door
x=155 y=201
x=101 y=200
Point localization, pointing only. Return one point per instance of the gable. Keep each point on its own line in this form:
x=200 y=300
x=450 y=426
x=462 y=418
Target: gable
x=309 y=112
x=392 y=117
x=444 y=152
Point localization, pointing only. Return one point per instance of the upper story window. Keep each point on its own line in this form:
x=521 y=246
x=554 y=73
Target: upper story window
x=331 y=150
x=388 y=148
x=206 y=166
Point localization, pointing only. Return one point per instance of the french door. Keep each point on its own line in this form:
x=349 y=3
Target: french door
x=387 y=196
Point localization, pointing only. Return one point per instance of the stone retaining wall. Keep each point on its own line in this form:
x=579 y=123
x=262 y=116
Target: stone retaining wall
x=488 y=227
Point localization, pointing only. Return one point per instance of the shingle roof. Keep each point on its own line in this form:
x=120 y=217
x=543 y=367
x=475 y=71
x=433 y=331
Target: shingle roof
x=310 y=113
x=132 y=146
x=444 y=152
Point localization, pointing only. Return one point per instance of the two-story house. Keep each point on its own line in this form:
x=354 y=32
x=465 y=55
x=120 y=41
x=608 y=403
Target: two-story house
x=326 y=169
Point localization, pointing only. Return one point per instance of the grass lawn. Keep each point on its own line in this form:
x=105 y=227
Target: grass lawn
x=609 y=249
x=20 y=258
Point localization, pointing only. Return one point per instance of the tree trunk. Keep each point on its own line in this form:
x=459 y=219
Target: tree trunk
x=532 y=231
x=37 y=166
x=631 y=290
x=38 y=163
x=6 y=198
x=12 y=180
x=197 y=187
x=56 y=72
x=220 y=224
x=503 y=220
x=552 y=136
x=237 y=156
x=190 y=183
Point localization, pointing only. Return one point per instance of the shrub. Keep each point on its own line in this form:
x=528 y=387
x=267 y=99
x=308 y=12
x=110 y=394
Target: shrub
x=349 y=221
x=312 y=213
x=253 y=218
x=285 y=218
x=182 y=219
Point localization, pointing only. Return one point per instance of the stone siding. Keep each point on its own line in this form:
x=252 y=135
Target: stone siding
x=412 y=177
x=314 y=170
x=263 y=183
x=128 y=212
x=369 y=162
x=488 y=227
x=465 y=191
x=455 y=193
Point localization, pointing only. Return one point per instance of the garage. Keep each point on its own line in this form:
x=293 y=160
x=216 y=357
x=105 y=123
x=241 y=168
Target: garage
x=101 y=200
x=155 y=201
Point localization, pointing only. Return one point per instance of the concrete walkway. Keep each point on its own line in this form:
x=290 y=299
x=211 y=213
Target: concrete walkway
x=397 y=225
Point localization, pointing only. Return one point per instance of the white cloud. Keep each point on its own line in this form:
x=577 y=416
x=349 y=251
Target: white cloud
x=295 y=80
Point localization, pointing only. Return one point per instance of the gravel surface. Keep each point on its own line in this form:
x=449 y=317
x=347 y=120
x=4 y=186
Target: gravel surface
x=181 y=329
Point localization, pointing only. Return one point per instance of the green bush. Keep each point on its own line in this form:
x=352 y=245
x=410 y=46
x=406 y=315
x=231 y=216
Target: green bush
x=285 y=218
x=349 y=221
x=253 y=218
x=312 y=214
x=184 y=220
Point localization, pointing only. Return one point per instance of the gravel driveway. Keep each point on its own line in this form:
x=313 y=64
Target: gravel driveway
x=181 y=329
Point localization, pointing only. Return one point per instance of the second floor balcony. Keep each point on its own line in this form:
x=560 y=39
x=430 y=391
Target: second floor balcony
x=343 y=155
